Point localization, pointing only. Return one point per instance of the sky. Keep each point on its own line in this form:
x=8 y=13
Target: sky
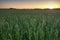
x=20 y=4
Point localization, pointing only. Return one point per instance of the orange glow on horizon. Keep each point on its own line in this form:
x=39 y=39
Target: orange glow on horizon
x=43 y=6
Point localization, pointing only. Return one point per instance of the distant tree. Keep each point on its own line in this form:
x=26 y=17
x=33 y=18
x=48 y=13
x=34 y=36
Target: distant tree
x=12 y=8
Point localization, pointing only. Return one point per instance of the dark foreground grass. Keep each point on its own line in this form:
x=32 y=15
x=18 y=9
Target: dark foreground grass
x=29 y=25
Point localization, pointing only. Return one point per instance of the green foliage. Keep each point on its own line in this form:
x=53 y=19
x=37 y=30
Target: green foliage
x=29 y=25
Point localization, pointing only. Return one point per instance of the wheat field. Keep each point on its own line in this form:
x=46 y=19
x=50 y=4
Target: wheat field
x=29 y=24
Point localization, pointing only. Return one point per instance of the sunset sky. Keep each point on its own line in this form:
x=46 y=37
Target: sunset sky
x=19 y=4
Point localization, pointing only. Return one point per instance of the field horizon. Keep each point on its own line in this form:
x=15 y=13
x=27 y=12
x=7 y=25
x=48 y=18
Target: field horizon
x=33 y=8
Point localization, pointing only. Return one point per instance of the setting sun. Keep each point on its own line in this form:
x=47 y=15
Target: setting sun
x=52 y=6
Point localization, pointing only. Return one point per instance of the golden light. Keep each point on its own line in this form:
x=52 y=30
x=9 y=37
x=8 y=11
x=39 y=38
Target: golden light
x=52 y=6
